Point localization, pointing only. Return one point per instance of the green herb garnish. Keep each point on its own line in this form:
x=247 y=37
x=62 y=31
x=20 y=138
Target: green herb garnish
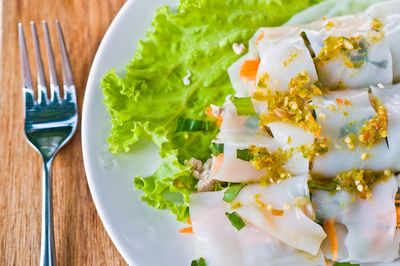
x=244 y=106
x=217 y=148
x=235 y=220
x=183 y=124
x=231 y=193
x=200 y=262
x=244 y=155
x=345 y=264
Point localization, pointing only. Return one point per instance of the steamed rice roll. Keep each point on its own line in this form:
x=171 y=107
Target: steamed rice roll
x=348 y=50
x=369 y=233
x=389 y=96
x=387 y=13
x=342 y=114
x=221 y=244
x=283 y=211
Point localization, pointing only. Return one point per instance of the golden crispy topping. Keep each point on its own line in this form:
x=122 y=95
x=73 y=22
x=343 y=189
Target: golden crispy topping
x=292 y=106
x=273 y=163
x=374 y=129
x=277 y=212
x=351 y=141
x=376 y=24
x=339 y=46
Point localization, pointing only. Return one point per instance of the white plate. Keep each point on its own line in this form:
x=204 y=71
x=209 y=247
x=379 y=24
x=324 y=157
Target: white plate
x=144 y=236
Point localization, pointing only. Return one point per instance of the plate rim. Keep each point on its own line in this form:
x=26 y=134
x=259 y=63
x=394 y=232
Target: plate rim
x=88 y=96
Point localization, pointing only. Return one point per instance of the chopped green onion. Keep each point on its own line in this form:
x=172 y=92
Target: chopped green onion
x=235 y=220
x=345 y=264
x=217 y=148
x=317 y=186
x=202 y=262
x=199 y=262
x=244 y=155
x=183 y=124
x=231 y=193
x=244 y=106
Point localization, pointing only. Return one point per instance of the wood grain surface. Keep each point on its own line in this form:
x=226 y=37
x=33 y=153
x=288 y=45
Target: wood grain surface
x=79 y=234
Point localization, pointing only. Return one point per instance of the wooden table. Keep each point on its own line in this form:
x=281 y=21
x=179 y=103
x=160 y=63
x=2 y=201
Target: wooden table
x=79 y=234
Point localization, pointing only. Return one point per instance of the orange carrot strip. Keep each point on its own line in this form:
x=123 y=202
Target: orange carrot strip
x=188 y=221
x=186 y=230
x=260 y=37
x=398 y=215
x=329 y=227
x=219 y=118
x=339 y=101
x=218 y=163
x=249 y=69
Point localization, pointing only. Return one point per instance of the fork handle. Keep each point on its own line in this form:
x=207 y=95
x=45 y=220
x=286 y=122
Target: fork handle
x=47 y=248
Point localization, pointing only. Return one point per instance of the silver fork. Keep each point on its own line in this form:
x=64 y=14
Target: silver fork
x=49 y=121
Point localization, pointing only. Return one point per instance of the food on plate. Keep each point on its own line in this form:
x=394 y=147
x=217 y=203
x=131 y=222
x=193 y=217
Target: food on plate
x=279 y=145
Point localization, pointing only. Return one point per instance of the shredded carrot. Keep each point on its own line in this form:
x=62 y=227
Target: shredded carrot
x=339 y=101
x=186 y=230
x=328 y=263
x=218 y=162
x=249 y=69
x=260 y=37
x=329 y=227
x=188 y=221
x=397 y=203
x=219 y=117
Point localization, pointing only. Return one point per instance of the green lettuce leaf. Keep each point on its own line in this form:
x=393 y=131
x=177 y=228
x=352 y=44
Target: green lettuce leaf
x=146 y=102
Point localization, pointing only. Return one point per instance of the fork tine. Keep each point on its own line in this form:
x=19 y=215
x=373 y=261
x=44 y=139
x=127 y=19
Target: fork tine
x=66 y=65
x=41 y=81
x=54 y=88
x=28 y=94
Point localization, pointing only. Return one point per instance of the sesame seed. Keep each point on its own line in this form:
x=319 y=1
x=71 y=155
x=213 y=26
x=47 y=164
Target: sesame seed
x=322 y=116
x=301 y=201
x=186 y=79
x=364 y=156
x=348 y=45
x=287 y=206
x=360 y=188
x=238 y=48
x=387 y=172
x=270 y=207
x=347 y=140
x=332 y=107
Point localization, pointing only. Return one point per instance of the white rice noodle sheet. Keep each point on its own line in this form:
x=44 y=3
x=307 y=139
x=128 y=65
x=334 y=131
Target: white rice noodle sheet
x=340 y=122
x=283 y=57
x=241 y=132
x=390 y=98
x=244 y=86
x=342 y=252
x=294 y=227
x=222 y=245
x=366 y=229
x=377 y=56
x=291 y=137
x=232 y=122
x=388 y=12
x=298 y=136
x=241 y=86
x=237 y=170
